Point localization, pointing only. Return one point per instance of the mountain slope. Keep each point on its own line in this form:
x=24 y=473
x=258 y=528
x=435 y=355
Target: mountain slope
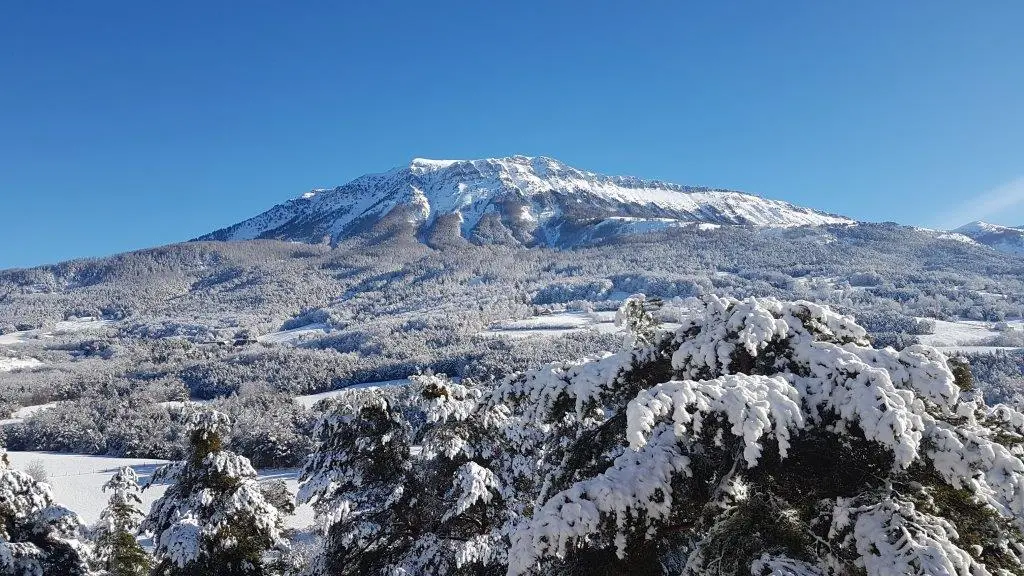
x=510 y=200
x=1003 y=238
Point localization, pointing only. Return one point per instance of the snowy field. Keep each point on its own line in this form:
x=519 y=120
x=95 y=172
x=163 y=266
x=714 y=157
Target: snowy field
x=309 y=400
x=9 y=364
x=554 y=325
x=86 y=324
x=77 y=481
x=20 y=414
x=288 y=336
x=557 y=324
x=306 y=400
x=966 y=335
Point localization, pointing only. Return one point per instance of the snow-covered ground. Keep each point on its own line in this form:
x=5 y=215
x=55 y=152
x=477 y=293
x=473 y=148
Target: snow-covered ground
x=554 y=325
x=560 y=323
x=22 y=413
x=86 y=324
x=309 y=400
x=305 y=400
x=14 y=338
x=9 y=364
x=77 y=481
x=181 y=403
x=965 y=335
x=286 y=336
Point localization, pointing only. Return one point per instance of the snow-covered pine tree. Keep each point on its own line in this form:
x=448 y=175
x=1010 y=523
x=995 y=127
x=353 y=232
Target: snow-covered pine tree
x=37 y=537
x=765 y=437
x=458 y=500
x=435 y=510
x=213 y=519
x=117 y=549
x=635 y=316
x=356 y=482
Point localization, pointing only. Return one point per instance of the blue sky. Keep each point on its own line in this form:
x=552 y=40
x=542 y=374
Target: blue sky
x=125 y=125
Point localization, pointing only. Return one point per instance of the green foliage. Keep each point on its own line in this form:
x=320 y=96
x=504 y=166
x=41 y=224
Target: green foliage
x=961 y=373
x=126 y=557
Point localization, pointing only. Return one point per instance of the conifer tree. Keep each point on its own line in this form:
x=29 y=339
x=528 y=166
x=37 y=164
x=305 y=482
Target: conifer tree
x=116 y=545
x=356 y=481
x=213 y=519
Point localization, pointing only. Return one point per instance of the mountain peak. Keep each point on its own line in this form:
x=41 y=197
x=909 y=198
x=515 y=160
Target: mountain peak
x=428 y=165
x=519 y=199
x=1003 y=238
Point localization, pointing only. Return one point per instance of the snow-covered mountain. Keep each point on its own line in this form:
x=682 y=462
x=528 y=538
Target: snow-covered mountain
x=511 y=200
x=1003 y=238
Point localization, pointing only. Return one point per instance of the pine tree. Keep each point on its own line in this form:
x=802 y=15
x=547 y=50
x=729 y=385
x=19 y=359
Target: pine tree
x=767 y=437
x=116 y=545
x=356 y=483
x=635 y=316
x=37 y=537
x=213 y=519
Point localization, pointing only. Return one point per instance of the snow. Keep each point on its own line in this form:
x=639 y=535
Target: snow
x=20 y=414
x=751 y=404
x=427 y=165
x=551 y=325
x=474 y=483
x=14 y=338
x=176 y=404
x=85 y=324
x=309 y=400
x=11 y=364
x=964 y=335
x=830 y=374
x=894 y=538
x=1003 y=238
x=960 y=333
x=957 y=237
x=637 y=482
x=70 y=326
x=286 y=336
x=77 y=481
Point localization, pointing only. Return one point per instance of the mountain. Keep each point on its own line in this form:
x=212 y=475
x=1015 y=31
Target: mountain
x=531 y=201
x=1003 y=238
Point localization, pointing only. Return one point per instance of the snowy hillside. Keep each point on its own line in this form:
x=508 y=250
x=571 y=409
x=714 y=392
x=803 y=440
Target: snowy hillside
x=1003 y=238
x=510 y=200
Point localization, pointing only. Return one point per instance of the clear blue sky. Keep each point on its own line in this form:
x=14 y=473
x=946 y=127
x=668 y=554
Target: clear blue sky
x=125 y=125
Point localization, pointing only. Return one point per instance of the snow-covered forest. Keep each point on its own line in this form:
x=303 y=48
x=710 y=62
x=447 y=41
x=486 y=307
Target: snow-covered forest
x=411 y=406
x=757 y=436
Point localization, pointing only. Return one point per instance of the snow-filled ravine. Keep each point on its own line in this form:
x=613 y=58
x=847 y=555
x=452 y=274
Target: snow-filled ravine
x=77 y=481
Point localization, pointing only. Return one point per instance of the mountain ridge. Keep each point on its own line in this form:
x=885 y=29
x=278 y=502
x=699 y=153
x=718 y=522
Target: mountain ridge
x=515 y=199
